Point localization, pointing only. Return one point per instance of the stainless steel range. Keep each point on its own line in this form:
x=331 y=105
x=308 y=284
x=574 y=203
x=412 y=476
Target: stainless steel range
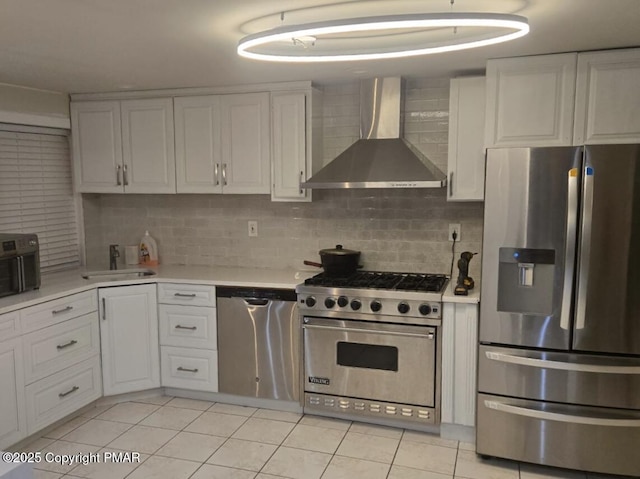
x=372 y=345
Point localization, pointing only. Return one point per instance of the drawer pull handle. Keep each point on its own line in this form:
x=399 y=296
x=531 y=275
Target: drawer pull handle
x=72 y=390
x=191 y=328
x=180 y=368
x=184 y=295
x=66 y=345
x=63 y=310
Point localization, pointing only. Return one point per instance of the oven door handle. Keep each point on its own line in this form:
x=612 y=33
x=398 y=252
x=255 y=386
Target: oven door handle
x=429 y=334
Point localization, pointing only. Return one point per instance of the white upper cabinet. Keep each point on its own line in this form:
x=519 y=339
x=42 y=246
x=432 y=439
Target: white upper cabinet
x=466 y=139
x=97 y=146
x=289 y=142
x=530 y=101
x=245 y=133
x=198 y=144
x=123 y=146
x=148 y=151
x=608 y=97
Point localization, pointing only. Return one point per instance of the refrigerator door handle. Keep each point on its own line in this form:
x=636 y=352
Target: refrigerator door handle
x=585 y=247
x=564 y=366
x=570 y=247
x=554 y=416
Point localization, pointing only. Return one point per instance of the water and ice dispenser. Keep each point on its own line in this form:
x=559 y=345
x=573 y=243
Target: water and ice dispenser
x=525 y=280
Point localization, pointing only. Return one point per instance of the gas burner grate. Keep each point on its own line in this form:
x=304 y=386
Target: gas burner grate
x=432 y=283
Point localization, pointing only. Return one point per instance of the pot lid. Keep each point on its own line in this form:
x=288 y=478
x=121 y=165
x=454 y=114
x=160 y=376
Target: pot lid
x=338 y=251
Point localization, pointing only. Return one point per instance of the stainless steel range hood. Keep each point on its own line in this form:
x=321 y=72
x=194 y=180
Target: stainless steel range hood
x=381 y=158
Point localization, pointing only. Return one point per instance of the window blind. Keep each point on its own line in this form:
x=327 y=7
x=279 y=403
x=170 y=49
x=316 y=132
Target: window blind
x=36 y=195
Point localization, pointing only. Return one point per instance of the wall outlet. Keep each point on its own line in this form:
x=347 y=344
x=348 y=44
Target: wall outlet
x=454 y=227
x=253 y=228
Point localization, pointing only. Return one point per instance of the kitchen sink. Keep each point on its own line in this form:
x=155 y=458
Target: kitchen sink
x=119 y=274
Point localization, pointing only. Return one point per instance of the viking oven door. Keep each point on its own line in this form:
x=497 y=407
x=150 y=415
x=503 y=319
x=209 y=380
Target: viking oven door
x=374 y=361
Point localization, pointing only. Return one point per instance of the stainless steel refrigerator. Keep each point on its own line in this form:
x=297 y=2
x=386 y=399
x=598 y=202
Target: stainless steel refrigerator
x=559 y=352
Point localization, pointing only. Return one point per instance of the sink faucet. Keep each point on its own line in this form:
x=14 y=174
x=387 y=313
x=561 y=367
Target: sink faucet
x=114 y=254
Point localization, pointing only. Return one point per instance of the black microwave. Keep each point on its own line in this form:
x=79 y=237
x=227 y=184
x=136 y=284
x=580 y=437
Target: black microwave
x=19 y=263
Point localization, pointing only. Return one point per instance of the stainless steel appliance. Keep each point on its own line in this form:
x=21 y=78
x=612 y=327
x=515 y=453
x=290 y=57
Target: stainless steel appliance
x=258 y=343
x=19 y=263
x=559 y=353
x=372 y=345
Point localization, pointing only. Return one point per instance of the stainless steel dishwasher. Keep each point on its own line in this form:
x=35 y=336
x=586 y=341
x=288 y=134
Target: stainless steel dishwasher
x=258 y=342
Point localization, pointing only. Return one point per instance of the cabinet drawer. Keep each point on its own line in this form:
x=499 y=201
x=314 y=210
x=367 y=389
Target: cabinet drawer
x=191 y=294
x=188 y=326
x=189 y=368
x=52 y=349
x=61 y=394
x=53 y=312
x=9 y=325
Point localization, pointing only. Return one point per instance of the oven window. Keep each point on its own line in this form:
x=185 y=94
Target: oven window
x=369 y=356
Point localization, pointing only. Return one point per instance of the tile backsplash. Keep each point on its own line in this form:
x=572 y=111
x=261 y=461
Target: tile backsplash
x=396 y=230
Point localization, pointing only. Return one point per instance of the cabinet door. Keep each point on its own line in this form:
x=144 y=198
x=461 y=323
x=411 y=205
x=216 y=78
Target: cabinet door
x=289 y=127
x=97 y=146
x=459 y=357
x=198 y=152
x=246 y=162
x=466 y=139
x=530 y=101
x=129 y=338
x=608 y=98
x=13 y=421
x=148 y=152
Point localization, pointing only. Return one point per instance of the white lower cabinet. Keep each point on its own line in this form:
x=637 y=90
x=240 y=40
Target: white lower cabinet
x=129 y=338
x=13 y=423
x=62 y=393
x=188 y=336
x=459 y=357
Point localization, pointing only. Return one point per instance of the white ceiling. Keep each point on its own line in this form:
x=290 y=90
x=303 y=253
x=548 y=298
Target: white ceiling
x=108 y=45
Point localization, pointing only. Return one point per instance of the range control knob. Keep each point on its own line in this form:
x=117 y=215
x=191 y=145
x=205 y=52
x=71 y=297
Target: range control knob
x=329 y=303
x=375 y=305
x=403 y=308
x=311 y=301
x=424 y=309
x=356 y=304
x=343 y=301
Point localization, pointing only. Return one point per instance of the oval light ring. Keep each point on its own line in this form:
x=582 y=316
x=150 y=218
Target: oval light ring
x=518 y=26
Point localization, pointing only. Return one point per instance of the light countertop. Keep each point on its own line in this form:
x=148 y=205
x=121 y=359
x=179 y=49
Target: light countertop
x=57 y=285
x=61 y=284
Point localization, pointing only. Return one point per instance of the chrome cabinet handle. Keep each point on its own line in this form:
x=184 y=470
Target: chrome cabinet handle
x=66 y=345
x=72 y=390
x=450 y=184
x=124 y=175
x=180 y=368
x=301 y=181
x=185 y=295
x=63 y=310
x=224 y=174
x=104 y=309
x=570 y=246
x=118 y=180
x=585 y=247
x=215 y=174
x=191 y=328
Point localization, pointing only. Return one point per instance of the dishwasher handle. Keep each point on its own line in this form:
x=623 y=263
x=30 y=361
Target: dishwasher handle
x=257 y=301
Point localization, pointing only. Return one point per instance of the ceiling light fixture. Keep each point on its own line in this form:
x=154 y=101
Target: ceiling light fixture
x=276 y=44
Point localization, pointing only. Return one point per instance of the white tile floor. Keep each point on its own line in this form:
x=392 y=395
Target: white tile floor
x=184 y=438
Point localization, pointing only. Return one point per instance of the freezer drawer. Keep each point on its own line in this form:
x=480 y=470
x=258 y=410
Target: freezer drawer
x=591 y=439
x=560 y=377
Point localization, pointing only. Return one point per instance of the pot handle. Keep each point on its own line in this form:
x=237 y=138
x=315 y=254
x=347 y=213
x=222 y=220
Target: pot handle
x=312 y=263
